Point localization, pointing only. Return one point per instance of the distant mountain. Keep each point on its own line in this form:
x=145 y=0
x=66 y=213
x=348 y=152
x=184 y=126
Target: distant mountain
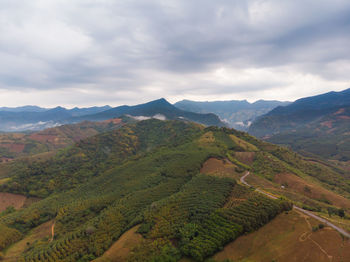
x=14 y=145
x=18 y=120
x=160 y=109
x=237 y=113
x=87 y=111
x=167 y=190
x=23 y=109
x=36 y=118
x=319 y=125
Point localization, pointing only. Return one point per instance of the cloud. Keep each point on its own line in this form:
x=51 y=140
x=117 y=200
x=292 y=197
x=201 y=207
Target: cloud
x=88 y=52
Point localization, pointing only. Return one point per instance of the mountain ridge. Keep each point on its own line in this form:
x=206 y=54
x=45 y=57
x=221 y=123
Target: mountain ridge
x=237 y=113
x=318 y=125
x=176 y=180
x=150 y=109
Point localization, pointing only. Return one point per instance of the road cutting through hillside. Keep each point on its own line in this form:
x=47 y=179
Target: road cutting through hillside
x=340 y=230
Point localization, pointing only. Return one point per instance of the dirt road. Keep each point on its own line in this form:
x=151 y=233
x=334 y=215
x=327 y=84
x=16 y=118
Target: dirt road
x=340 y=230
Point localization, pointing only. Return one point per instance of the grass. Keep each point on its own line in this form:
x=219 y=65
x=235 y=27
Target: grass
x=300 y=191
x=4 y=180
x=288 y=237
x=122 y=247
x=243 y=144
x=40 y=233
x=219 y=168
x=314 y=191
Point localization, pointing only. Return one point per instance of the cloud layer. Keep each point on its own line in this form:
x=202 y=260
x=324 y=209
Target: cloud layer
x=87 y=52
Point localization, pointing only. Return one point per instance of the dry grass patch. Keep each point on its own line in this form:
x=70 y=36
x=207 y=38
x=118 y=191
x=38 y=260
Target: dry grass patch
x=245 y=157
x=243 y=144
x=206 y=139
x=42 y=232
x=288 y=238
x=310 y=190
x=220 y=168
x=120 y=250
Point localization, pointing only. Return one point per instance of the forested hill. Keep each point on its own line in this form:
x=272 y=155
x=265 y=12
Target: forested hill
x=152 y=174
x=318 y=125
x=239 y=114
x=160 y=108
x=301 y=112
x=33 y=118
x=14 y=145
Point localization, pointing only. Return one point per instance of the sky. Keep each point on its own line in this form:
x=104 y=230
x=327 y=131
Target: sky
x=85 y=52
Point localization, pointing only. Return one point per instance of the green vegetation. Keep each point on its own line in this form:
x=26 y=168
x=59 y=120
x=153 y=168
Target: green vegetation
x=15 y=145
x=148 y=174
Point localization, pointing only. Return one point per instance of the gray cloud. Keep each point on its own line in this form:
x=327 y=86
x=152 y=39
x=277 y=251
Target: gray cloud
x=87 y=52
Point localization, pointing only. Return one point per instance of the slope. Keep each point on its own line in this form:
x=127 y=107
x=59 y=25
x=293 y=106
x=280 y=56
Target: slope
x=327 y=137
x=14 y=145
x=299 y=113
x=238 y=114
x=36 y=118
x=314 y=126
x=157 y=108
x=149 y=174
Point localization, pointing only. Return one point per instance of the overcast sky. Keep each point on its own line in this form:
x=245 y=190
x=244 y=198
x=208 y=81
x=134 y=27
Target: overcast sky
x=84 y=52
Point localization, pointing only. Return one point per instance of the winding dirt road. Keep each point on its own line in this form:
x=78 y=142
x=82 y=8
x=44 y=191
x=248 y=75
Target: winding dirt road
x=53 y=231
x=306 y=212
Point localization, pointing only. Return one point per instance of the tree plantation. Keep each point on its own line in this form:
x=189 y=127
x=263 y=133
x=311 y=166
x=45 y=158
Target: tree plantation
x=148 y=174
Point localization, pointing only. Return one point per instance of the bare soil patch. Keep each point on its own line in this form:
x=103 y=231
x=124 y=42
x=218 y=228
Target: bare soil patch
x=14 y=147
x=113 y=120
x=44 y=138
x=8 y=199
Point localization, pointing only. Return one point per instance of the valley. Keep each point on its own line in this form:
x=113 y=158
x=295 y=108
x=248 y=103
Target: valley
x=130 y=190
x=174 y=131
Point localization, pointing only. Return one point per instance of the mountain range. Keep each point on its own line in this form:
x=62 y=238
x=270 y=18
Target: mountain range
x=36 y=118
x=318 y=125
x=169 y=190
x=15 y=145
x=31 y=118
x=160 y=108
x=239 y=114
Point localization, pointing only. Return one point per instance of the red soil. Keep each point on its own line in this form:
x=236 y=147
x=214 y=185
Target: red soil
x=8 y=199
x=113 y=120
x=17 y=148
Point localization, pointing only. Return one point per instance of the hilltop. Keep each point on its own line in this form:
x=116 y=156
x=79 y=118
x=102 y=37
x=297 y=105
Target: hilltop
x=161 y=109
x=175 y=181
x=32 y=118
x=317 y=125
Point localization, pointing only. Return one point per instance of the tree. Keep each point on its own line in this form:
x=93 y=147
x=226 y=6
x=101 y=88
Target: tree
x=341 y=212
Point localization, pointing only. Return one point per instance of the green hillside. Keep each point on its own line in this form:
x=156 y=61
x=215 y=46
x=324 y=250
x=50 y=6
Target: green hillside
x=327 y=137
x=149 y=174
x=314 y=126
